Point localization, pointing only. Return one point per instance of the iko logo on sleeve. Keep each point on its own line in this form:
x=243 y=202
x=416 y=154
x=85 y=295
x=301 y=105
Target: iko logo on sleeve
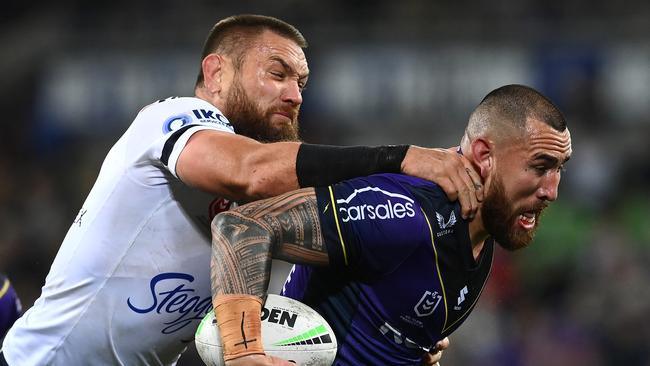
x=386 y=205
x=174 y=123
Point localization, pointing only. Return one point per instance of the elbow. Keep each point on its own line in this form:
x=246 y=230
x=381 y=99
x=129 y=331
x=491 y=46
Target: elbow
x=259 y=185
x=218 y=227
x=233 y=229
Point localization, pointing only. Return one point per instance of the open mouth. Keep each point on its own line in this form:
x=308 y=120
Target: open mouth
x=527 y=220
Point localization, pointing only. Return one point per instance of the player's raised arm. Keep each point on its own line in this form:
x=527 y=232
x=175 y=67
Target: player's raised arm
x=244 y=241
x=243 y=169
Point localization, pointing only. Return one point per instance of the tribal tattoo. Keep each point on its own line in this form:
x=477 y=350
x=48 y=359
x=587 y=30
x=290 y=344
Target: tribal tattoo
x=244 y=241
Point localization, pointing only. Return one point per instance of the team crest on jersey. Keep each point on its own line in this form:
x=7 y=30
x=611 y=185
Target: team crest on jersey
x=427 y=304
x=174 y=123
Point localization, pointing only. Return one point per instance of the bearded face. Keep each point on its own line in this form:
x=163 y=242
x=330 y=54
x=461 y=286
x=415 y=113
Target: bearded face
x=252 y=121
x=512 y=227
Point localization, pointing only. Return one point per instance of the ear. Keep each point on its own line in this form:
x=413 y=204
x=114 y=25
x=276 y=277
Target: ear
x=483 y=156
x=213 y=67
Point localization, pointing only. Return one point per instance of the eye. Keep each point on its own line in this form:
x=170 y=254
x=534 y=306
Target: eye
x=278 y=74
x=540 y=169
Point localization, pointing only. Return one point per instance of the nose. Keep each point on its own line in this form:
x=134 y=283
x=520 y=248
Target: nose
x=292 y=93
x=548 y=188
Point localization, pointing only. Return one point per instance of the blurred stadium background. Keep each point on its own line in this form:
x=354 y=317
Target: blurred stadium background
x=75 y=73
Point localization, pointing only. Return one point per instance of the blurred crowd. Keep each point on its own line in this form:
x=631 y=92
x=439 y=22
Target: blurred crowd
x=76 y=74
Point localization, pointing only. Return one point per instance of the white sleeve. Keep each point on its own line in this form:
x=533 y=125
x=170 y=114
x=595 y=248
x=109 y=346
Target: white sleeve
x=160 y=131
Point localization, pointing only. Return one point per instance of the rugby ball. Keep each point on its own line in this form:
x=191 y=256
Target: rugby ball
x=290 y=330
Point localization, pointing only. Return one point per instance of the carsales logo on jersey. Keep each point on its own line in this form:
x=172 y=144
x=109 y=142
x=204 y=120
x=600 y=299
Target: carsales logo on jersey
x=381 y=205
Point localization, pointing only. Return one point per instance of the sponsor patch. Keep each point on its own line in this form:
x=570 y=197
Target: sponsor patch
x=176 y=122
x=396 y=206
x=211 y=116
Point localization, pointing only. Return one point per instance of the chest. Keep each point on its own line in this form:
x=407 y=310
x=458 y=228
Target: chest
x=425 y=298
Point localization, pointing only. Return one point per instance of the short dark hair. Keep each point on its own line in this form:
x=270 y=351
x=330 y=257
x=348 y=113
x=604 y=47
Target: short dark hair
x=231 y=36
x=516 y=103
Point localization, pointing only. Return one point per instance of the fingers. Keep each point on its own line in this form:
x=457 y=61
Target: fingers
x=467 y=186
x=471 y=188
x=451 y=171
x=443 y=344
x=477 y=182
x=259 y=360
x=433 y=357
x=466 y=194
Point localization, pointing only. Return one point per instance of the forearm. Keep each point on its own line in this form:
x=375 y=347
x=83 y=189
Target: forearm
x=321 y=165
x=246 y=239
x=243 y=169
x=241 y=255
x=278 y=168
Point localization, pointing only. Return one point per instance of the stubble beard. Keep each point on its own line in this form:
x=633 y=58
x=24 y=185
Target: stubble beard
x=250 y=121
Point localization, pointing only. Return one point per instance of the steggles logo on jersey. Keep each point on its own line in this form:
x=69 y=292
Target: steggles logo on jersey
x=391 y=209
x=170 y=295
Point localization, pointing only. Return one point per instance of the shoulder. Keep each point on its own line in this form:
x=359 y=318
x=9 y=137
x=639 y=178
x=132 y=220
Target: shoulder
x=175 y=112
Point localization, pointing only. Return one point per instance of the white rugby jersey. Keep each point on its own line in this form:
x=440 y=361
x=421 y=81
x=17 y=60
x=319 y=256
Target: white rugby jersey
x=131 y=280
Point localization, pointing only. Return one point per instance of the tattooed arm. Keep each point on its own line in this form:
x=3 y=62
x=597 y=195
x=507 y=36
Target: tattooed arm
x=244 y=241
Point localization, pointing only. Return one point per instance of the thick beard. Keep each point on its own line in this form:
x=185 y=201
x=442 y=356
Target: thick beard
x=249 y=121
x=499 y=218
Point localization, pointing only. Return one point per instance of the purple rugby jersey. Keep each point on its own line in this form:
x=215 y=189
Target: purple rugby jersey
x=10 y=308
x=402 y=275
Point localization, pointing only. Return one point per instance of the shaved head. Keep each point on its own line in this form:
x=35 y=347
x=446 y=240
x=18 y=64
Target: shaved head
x=504 y=113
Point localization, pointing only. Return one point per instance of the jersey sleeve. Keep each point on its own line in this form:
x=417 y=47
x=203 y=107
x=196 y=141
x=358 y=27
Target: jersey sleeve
x=371 y=225
x=161 y=130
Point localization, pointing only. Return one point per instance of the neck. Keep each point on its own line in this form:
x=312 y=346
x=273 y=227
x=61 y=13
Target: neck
x=203 y=93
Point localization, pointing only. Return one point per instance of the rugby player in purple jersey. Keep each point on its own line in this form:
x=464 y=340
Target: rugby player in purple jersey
x=10 y=307
x=387 y=259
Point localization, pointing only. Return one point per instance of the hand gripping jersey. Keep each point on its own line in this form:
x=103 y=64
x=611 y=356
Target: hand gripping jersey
x=131 y=280
x=10 y=307
x=402 y=275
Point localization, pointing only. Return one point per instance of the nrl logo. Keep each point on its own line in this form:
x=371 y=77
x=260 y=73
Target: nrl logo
x=427 y=304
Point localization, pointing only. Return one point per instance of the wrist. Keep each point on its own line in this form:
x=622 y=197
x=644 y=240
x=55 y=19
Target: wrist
x=321 y=165
x=238 y=319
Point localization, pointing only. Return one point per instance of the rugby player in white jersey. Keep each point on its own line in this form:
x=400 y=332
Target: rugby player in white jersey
x=131 y=279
